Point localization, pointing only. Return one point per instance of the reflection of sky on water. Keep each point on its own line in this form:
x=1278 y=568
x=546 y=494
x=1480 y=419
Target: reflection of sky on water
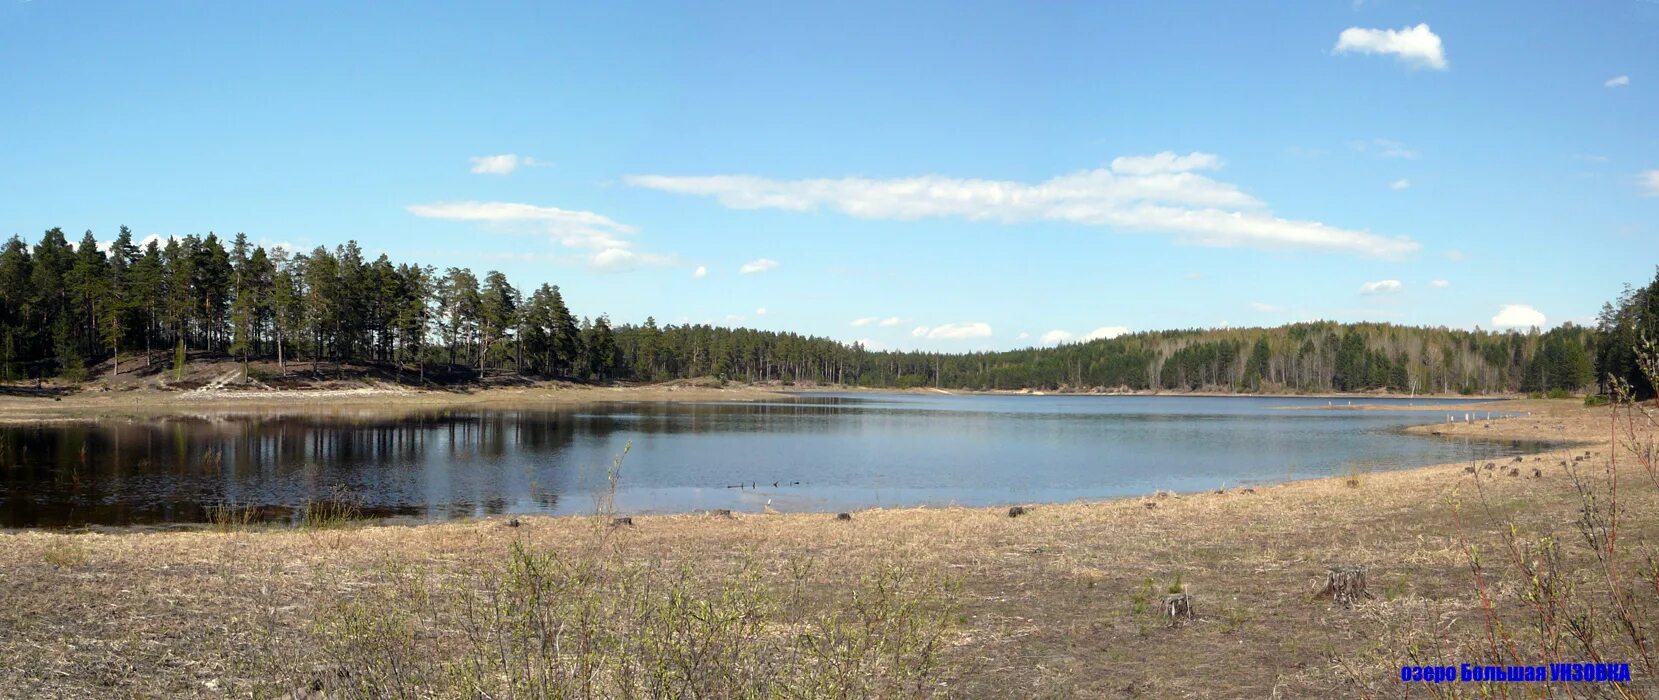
x=817 y=452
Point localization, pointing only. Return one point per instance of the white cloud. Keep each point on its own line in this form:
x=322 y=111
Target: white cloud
x=871 y=344
x=876 y=320
x=1265 y=308
x=619 y=259
x=1456 y=255
x=573 y=229
x=1385 y=148
x=1105 y=333
x=501 y=165
x=760 y=265
x=1022 y=336
x=1617 y=81
x=1518 y=316
x=1055 y=337
x=1380 y=287
x=735 y=319
x=953 y=331
x=1165 y=162
x=583 y=230
x=1159 y=193
x=1418 y=47
x=1649 y=182
x=701 y=272
x=1399 y=184
x=760 y=311
x=1193 y=276
x=1440 y=284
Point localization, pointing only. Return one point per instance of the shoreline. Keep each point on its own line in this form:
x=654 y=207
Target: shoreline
x=85 y=405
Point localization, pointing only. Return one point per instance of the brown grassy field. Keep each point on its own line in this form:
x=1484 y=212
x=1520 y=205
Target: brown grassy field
x=1060 y=602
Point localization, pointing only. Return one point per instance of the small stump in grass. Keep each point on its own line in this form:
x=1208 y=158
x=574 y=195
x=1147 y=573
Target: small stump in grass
x=1178 y=608
x=1017 y=511
x=514 y=523
x=1345 y=585
x=723 y=513
x=843 y=516
x=622 y=521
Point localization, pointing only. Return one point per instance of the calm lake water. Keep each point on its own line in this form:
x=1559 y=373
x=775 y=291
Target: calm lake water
x=821 y=452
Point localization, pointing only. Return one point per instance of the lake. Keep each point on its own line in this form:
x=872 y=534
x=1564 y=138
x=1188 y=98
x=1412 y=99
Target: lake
x=812 y=452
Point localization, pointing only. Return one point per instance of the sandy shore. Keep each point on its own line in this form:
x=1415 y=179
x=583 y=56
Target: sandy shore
x=1050 y=604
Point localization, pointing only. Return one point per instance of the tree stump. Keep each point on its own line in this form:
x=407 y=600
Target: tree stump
x=843 y=516
x=1017 y=511
x=1178 y=608
x=723 y=513
x=1345 y=585
x=622 y=521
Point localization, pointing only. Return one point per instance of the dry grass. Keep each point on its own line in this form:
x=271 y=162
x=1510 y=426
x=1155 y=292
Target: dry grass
x=1062 y=602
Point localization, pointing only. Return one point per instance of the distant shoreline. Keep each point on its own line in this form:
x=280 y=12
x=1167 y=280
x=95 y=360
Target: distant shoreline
x=1471 y=398
x=91 y=404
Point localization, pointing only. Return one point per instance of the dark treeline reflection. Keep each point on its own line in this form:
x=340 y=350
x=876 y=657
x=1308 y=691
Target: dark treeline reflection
x=814 y=452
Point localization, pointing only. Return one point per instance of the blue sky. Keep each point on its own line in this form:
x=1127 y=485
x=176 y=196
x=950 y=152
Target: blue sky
x=938 y=175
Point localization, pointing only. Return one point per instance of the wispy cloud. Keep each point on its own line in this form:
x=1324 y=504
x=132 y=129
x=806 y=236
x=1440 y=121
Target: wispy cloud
x=1648 y=181
x=760 y=265
x=1161 y=193
x=1399 y=184
x=1455 y=255
x=1417 y=47
x=953 y=331
x=1385 y=148
x=701 y=272
x=1518 y=316
x=1380 y=287
x=503 y=164
x=876 y=320
x=1440 y=284
x=1617 y=81
x=608 y=242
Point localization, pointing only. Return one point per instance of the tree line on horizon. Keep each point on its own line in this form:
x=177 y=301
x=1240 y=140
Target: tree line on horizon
x=67 y=307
